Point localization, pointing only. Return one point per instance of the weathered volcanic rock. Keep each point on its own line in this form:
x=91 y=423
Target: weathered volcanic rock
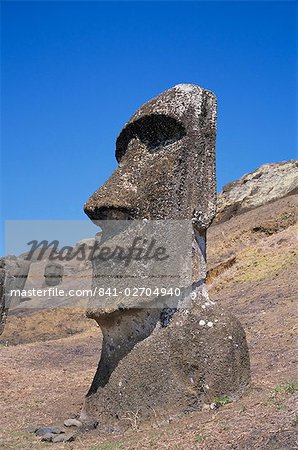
x=42 y=431
x=65 y=437
x=268 y=183
x=72 y=423
x=157 y=360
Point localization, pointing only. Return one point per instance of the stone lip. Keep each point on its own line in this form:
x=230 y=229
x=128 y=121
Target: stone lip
x=264 y=185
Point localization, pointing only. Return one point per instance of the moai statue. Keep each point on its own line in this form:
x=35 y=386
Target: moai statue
x=53 y=274
x=13 y=275
x=162 y=362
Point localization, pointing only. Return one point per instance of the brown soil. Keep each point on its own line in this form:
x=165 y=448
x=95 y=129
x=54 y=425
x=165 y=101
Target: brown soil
x=253 y=273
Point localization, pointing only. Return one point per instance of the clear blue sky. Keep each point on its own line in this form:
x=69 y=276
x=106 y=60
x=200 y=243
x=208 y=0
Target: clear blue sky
x=74 y=72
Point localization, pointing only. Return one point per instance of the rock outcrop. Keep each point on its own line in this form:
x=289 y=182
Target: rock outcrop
x=268 y=183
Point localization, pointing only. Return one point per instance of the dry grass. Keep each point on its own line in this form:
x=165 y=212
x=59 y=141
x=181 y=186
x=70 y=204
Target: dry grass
x=44 y=325
x=256 y=264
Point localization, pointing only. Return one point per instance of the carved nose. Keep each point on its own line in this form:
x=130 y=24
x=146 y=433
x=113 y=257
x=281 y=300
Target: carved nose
x=102 y=213
x=111 y=220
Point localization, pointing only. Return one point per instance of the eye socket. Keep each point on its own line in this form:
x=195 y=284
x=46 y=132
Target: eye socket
x=155 y=131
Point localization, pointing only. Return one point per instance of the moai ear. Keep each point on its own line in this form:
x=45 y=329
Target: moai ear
x=156 y=131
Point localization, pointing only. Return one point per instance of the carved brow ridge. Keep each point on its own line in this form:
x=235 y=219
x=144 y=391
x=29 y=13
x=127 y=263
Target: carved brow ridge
x=154 y=130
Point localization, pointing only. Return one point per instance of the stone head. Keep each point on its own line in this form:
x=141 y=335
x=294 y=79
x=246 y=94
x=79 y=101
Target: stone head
x=166 y=162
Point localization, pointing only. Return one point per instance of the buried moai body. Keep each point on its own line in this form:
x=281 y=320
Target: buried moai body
x=13 y=275
x=158 y=361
